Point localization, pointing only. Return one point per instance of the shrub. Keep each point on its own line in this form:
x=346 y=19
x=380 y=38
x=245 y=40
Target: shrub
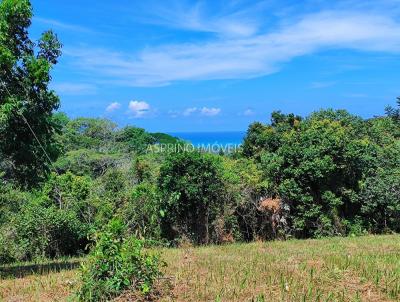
x=108 y=194
x=142 y=212
x=69 y=192
x=116 y=264
x=11 y=201
x=6 y=254
x=379 y=200
x=47 y=232
x=32 y=226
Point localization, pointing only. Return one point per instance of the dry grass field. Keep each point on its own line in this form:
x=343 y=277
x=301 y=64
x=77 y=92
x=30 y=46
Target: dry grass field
x=334 y=269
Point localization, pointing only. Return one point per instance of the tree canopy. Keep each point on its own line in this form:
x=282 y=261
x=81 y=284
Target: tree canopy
x=26 y=102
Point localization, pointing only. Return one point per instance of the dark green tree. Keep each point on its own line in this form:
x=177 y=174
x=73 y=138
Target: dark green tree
x=25 y=98
x=315 y=166
x=135 y=139
x=257 y=139
x=260 y=137
x=192 y=186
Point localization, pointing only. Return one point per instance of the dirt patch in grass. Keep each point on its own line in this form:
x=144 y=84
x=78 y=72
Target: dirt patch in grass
x=367 y=291
x=162 y=290
x=44 y=288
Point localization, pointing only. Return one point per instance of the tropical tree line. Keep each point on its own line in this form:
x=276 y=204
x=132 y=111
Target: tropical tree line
x=328 y=174
x=62 y=180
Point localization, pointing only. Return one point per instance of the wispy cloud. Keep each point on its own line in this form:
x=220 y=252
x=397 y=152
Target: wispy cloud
x=68 y=88
x=113 y=106
x=230 y=21
x=240 y=56
x=138 y=109
x=61 y=25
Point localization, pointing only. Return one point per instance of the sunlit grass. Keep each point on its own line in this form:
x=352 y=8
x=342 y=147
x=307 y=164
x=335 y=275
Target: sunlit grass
x=334 y=269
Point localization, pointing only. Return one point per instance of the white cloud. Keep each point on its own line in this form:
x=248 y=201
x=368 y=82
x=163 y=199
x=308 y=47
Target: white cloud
x=248 y=112
x=244 y=56
x=189 y=111
x=139 y=108
x=113 y=106
x=210 y=111
x=205 y=111
x=74 y=88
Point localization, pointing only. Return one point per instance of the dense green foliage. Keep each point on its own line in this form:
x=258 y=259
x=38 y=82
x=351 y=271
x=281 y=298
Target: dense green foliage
x=330 y=173
x=25 y=98
x=322 y=168
x=116 y=263
x=379 y=199
x=192 y=186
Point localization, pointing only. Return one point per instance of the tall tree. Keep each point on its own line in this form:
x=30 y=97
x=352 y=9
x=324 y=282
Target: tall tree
x=192 y=187
x=26 y=103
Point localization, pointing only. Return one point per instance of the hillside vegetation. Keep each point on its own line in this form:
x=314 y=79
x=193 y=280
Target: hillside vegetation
x=85 y=187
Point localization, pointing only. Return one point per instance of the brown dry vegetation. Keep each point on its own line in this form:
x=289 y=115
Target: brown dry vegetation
x=335 y=269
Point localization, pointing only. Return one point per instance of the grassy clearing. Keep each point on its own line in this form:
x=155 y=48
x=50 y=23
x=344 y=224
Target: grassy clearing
x=335 y=269
x=39 y=281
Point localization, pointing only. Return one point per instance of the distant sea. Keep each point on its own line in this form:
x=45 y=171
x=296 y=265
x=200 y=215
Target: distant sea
x=206 y=138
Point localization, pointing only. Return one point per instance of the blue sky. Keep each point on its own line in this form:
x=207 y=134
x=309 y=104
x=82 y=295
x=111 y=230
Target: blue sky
x=178 y=66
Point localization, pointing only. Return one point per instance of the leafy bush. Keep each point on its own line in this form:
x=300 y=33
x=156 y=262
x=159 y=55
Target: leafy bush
x=243 y=187
x=69 y=192
x=11 y=201
x=116 y=264
x=380 y=201
x=356 y=227
x=7 y=253
x=47 y=232
x=142 y=212
x=108 y=194
x=34 y=225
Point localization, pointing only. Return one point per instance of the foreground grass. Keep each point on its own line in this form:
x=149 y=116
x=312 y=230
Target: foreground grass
x=335 y=269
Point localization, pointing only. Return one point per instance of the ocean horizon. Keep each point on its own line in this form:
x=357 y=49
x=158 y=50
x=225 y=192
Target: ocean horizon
x=210 y=138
